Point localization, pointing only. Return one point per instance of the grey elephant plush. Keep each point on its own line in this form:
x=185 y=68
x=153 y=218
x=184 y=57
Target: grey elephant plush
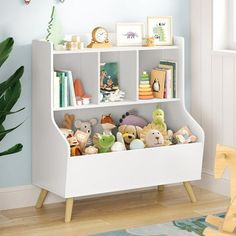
x=87 y=127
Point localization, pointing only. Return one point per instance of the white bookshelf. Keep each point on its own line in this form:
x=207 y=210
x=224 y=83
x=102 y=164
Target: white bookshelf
x=69 y=177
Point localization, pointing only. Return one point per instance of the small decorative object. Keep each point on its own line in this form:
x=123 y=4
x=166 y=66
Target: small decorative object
x=154 y=136
x=184 y=136
x=73 y=44
x=158 y=117
x=103 y=142
x=116 y=96
x=81 y=97
x=145 y=90
x=109 y=77
x=91 y=150
x=27 y=2
x=150 y=42
x=136 y=144
x=131 y=118
x=129 y=133
x=107 y=123
x=99 y=38
x=86 y=127
x=66 y=132
x=129 y=34
x=158 y=77
x=119 y=145
x=160 y=28
x=68 y=121
x=82 y=138
x=55 y=33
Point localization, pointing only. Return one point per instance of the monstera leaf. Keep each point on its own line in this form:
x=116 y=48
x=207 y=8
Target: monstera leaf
x=10 y=91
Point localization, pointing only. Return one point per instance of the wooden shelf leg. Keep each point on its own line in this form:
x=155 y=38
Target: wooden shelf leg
x=215 y=221
x=190 y=192
x=212 y=232
x=160 y=188
x=42 y=196
x=68 y=210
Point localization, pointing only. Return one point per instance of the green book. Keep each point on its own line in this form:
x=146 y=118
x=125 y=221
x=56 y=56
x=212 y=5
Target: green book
x=61 y=75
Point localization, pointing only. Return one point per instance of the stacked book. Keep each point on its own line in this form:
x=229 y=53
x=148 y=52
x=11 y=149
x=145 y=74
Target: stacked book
x=163 y=80
x=63 y=89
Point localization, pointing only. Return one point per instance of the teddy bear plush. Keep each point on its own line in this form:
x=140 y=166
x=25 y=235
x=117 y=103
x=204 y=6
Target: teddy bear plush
x=68 y=121
x=129 y=133
x=86 y=127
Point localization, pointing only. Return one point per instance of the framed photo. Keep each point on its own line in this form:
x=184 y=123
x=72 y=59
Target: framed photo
x=129 y=34
x=160 y=28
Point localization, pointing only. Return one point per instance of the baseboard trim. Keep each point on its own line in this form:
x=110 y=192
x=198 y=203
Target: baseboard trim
x=26 y=196
x=208 y=181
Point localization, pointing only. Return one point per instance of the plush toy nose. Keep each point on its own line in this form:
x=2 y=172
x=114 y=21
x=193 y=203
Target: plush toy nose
x=157 y=138
x=130 y=136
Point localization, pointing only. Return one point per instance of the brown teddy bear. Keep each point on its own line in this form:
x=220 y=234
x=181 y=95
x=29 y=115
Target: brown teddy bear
x=129 y=133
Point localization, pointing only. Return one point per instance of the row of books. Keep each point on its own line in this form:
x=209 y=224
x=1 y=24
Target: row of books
x=164 y=80
x=63 y=89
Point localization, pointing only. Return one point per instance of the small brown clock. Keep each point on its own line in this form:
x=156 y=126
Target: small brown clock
x=99 y=38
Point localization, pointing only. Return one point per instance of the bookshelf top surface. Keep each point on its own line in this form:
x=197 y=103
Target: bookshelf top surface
x=114 y=104
x=116 y=49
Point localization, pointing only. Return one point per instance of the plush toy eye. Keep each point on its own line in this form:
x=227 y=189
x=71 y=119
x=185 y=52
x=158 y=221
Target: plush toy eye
x=153 y=133
x=123 y=116
x=133 y=133
x=85 y=126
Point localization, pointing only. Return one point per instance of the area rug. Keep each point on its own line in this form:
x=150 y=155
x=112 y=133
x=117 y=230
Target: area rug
x=186 y=227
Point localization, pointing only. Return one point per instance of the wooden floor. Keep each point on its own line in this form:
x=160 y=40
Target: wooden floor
x=110 y=213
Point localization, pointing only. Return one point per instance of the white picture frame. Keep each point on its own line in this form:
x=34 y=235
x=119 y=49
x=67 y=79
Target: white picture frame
x=160 y=28
x=129 y=34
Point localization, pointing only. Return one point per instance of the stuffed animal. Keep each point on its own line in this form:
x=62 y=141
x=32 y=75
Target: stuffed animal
x=103 y=142
x=136 y=144
x=119 y=145
x=184 y=135
x=68 y=121
x=129 y=133
x=108 y=124
x=86 y=127
x=131 y=118
x=116 y=96
x=82 y=138
x=154 y=136
x=158 y=117
x=91 y=150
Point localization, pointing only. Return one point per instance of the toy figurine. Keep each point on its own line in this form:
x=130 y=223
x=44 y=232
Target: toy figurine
x=116 y=96
x=158 y=117
x=86 y=127
x=131 y=118
x=150 y=41
x=103 y=142
x=82 y=138
x=119 y=145
x=80 y=93
x=107 y=123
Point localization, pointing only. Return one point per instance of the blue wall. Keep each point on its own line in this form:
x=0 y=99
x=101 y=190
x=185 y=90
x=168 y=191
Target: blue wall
x=25 y=23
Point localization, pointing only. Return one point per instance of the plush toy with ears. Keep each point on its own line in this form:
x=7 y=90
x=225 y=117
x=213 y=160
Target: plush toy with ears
x=86 y=127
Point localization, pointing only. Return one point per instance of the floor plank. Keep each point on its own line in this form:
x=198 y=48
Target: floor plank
x=103 y=214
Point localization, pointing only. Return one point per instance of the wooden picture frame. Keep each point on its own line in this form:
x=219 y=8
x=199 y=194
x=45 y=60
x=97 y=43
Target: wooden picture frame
x=129 y=34
x=161 y=29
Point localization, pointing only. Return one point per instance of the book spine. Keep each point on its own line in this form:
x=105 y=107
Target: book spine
x=72 y=99
x=62 y=89
x=169 y=89
x=66 y=91
x=56 y=91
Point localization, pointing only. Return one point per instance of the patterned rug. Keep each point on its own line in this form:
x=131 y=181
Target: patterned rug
x=187 y=227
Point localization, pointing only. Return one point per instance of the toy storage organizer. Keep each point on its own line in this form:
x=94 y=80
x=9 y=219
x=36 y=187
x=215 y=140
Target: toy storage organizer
x=53 y=168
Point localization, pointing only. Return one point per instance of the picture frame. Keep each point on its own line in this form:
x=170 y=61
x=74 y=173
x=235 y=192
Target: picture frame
x=129 y=34
x=160 y=28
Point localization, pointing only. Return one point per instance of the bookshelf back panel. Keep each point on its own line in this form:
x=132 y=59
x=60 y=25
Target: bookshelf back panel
x=127 y=70
x=84 y=67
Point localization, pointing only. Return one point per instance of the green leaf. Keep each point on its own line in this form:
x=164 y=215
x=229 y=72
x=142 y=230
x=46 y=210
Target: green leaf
x=11 y=112
x=11 y=81
x=5 y=132
x=2 y=130
x=5 y=49
x=16 y=148
x=10 y=98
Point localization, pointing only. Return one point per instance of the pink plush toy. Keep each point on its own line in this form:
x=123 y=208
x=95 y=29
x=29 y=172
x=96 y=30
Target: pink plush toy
x=131 y=118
